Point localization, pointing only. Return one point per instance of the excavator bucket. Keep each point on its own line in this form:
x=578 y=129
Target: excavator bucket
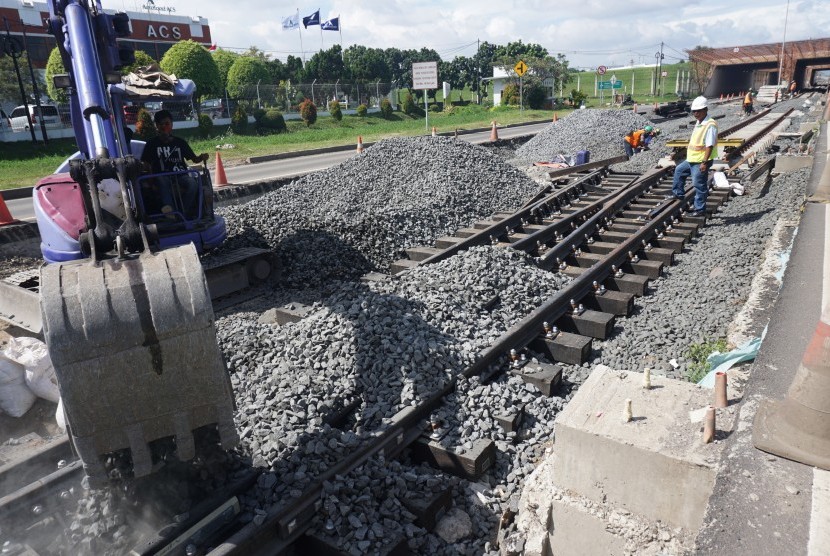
x=133 y=344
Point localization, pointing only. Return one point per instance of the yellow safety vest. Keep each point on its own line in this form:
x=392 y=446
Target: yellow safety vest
x=697 y=148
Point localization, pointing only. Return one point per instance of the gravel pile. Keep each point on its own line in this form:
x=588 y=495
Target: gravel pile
x=362 y=214
x=388 y=345
x=599 y=131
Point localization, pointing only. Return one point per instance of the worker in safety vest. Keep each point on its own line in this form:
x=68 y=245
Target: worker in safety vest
x=748 y=103
x=634 y=140
x=700 y=153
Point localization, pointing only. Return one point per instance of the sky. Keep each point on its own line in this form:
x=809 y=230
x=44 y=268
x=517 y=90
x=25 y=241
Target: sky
x=589 y=32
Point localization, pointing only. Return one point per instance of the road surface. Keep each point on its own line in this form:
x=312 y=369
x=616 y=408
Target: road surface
x=22 y=209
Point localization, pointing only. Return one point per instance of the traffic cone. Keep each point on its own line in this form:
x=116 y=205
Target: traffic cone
x=635 y=108
x=359 y=143
x=221 y=179
x=798 y=427
x=494 y=135
x=555 y=117
x=5 y=215
x=433 y=131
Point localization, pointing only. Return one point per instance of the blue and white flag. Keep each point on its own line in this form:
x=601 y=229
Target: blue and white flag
x=291 y=22
x=313 y=19
x=331 y=25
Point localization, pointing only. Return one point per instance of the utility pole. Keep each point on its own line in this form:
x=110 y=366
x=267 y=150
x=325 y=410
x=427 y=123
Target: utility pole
x=660 y=71
x=478 y=71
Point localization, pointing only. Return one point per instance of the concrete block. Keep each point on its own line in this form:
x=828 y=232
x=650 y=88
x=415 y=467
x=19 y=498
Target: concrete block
x=655 y=465
x=785 y=164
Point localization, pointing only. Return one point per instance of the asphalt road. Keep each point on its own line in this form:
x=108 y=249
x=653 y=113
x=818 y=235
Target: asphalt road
x=22 y=209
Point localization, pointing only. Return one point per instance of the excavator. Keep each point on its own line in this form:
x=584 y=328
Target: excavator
x=125 y=304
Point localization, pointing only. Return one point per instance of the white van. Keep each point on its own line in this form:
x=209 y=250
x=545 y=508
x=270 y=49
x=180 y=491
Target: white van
x=51 y=117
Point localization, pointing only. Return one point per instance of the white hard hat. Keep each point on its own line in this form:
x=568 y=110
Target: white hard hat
x=700 y=103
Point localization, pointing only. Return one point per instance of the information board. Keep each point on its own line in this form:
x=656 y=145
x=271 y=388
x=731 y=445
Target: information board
x=425 y=75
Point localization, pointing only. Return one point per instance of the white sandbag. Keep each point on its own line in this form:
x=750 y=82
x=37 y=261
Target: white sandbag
x=721 y=182
x=737 y=189
x=34 y=356
x=15 y=397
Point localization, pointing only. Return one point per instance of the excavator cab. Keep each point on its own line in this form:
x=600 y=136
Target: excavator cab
x=126 y=312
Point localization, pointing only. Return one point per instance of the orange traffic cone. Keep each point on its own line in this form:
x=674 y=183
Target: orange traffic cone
x=494 y=135
x=221 y=179
x=5 y=215
x=433 y=131
x=359 y=143
x=555 y=117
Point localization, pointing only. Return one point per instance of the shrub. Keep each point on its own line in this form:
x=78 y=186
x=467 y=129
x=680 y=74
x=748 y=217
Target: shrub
x=334 y=110
x=258 y=114
x=205 y=125
x=435 y=107
x=578 y=97
x=362 y=110
x=145 y=129
x=408 y=105
x=273 y=121
x=510 y=95
x=239 y=120
x=534 y=96
x=386 y=109
x=308 y=112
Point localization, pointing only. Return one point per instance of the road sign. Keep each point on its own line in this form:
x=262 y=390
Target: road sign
x=609 y=85
x=664 y=74
x=617 y=84
x=521 y=68
x=425 y=75
x=601 y=70
x=613 y=79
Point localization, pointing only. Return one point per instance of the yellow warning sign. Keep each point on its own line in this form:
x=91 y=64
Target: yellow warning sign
x=521 y=68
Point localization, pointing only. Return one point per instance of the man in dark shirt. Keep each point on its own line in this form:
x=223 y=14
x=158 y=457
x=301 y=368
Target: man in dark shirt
x=166 y=153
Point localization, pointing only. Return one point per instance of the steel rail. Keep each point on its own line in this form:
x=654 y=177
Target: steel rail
x=282 y=526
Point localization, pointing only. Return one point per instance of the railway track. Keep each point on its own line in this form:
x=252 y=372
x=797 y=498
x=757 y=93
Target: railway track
x=610 y=233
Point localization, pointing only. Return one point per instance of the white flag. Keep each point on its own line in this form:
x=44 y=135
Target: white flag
x=291 y=22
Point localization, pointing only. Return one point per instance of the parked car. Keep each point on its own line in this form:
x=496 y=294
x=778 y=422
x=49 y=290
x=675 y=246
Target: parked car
x=50 y=114
x=213 y=107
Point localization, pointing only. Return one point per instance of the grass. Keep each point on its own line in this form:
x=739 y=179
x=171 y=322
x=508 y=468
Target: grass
x=23 y=164
x=697 y=354
x=642 y=77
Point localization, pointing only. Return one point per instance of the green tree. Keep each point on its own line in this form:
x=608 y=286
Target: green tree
x=325 y=66
x=141 y=59
x=205 y=126
x=54 y=66
x=190 y=60
x=365 y=64
x=361 y=110
x=294 y=69
x=518 y=50
x=247 y=72
x=408 y=105
x=224 y=60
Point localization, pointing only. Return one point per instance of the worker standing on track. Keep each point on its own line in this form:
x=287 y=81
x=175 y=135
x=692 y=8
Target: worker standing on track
x=701 y=151
x=634 y=140
x=748 y=103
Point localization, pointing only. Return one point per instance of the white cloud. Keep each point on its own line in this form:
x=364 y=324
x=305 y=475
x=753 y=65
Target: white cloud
x=589 y=32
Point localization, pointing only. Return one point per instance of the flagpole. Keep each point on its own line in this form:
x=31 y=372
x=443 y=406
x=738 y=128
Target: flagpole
x=340 y=28
x=301 y=35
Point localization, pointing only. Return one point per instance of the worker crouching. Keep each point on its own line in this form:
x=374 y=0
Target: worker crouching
x=701 y=151
x=636 y=140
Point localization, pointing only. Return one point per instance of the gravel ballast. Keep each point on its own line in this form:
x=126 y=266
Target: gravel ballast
x=363 y=213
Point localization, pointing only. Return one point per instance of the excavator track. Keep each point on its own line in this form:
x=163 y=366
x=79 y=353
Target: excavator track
x=133 y=343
